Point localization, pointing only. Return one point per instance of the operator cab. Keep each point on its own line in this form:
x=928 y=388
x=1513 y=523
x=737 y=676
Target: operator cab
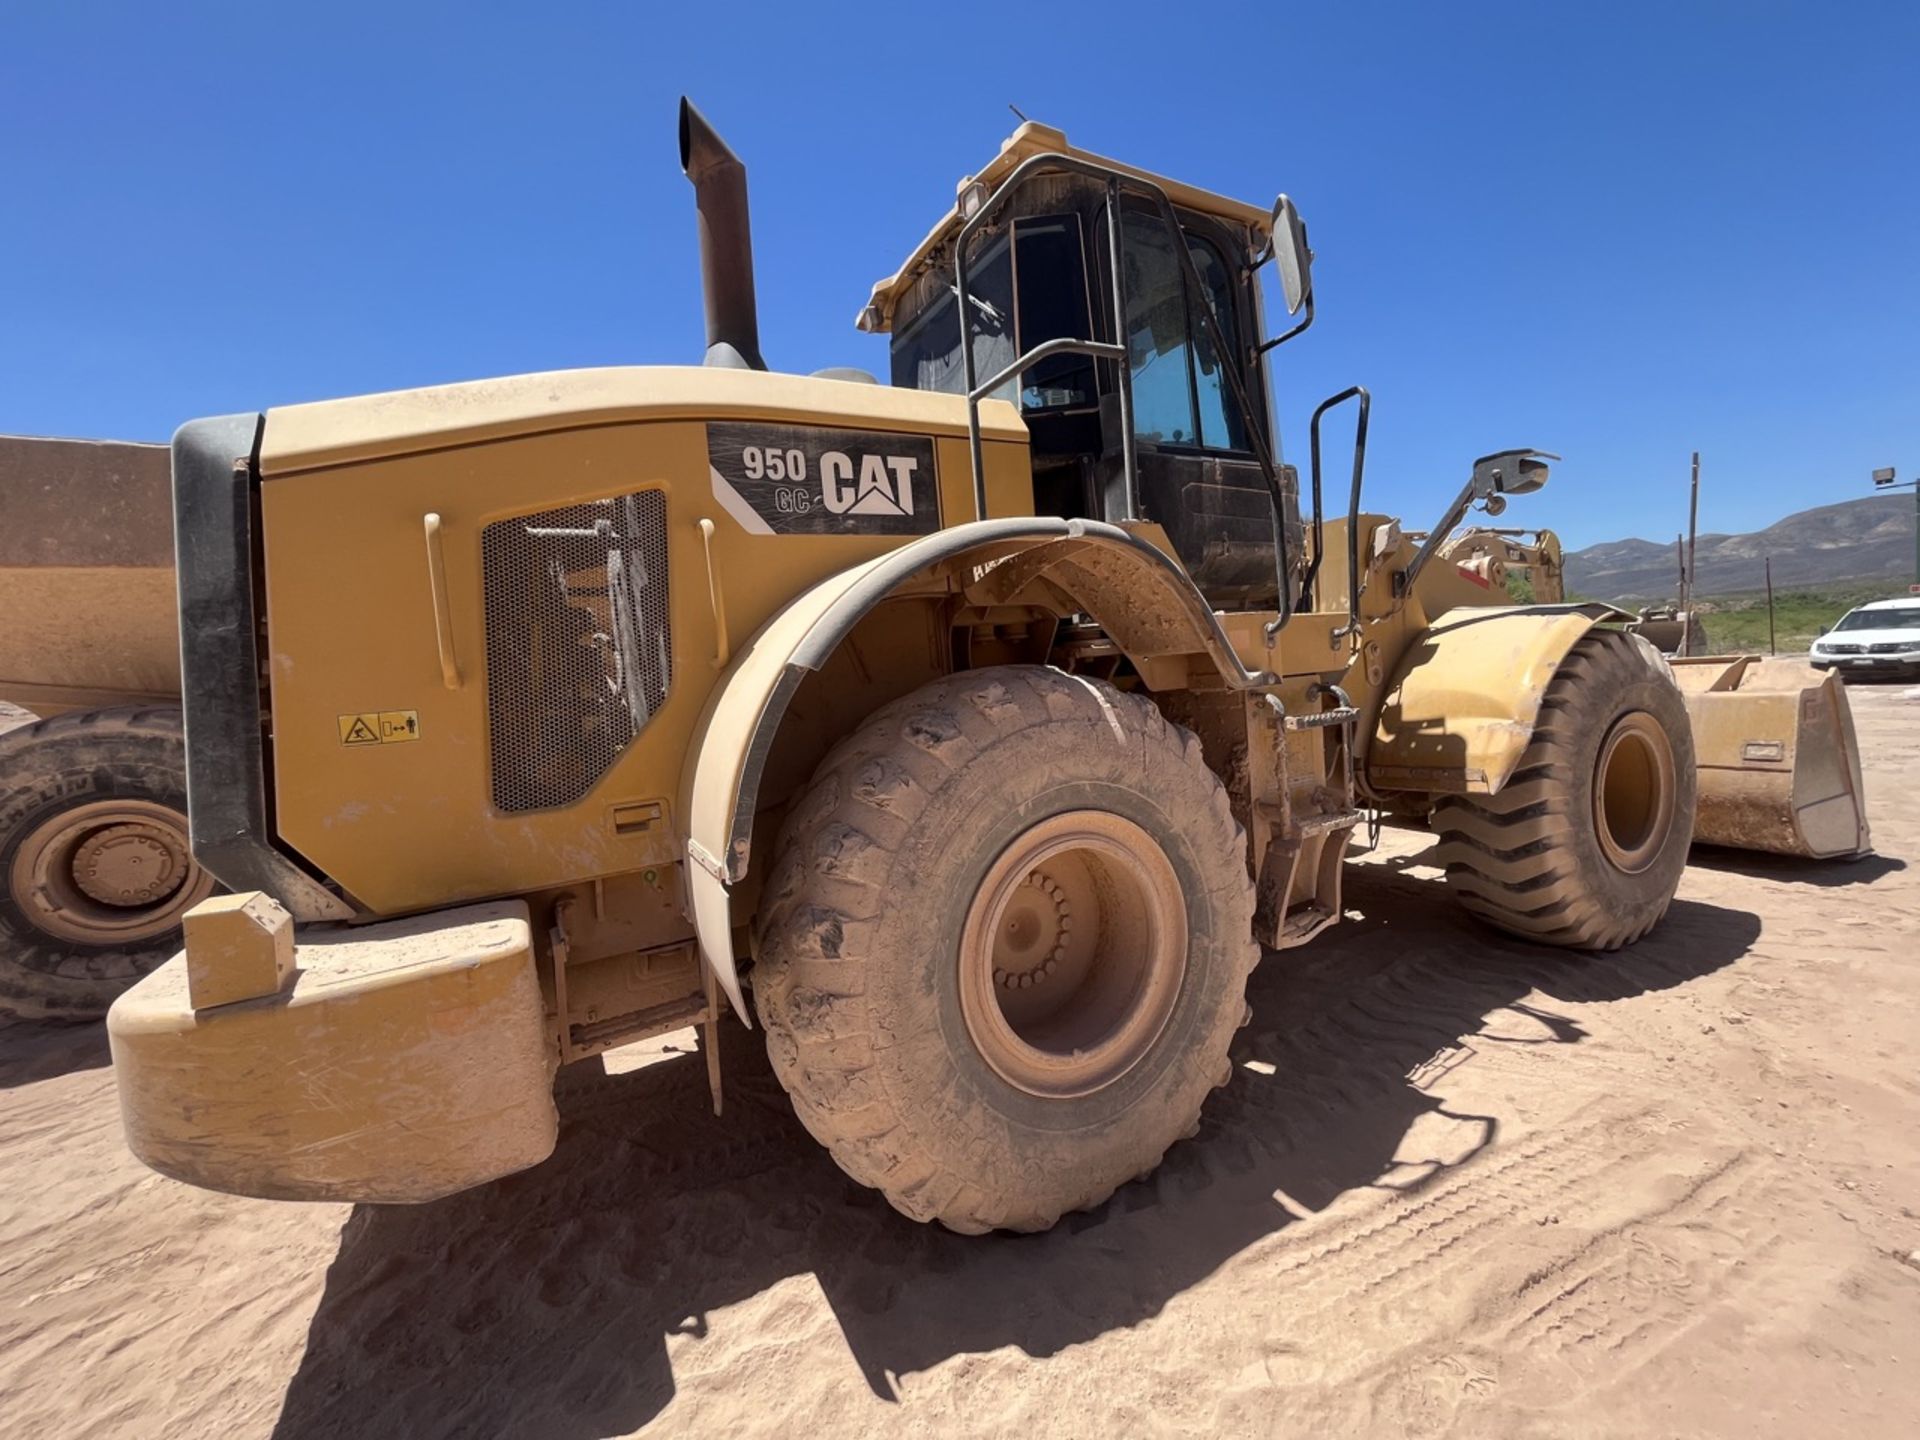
x=1040 y=270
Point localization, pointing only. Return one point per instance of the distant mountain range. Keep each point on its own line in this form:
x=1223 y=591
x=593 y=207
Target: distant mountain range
x=1864 y=540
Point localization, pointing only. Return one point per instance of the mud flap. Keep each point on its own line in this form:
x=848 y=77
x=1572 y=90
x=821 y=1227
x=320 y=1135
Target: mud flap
x=713 y=923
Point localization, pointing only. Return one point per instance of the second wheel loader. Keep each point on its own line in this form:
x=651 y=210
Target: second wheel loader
x=983 y=726
x=1779 y=764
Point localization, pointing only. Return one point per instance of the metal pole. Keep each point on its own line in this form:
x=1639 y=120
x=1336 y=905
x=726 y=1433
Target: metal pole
x=1773 y=645
x=974 y=449
x=1680 y=564
x=1693 y=532
x=1123 y=368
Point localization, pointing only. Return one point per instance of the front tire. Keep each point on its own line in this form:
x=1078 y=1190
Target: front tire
x=1004 y=947
x=1585 y=844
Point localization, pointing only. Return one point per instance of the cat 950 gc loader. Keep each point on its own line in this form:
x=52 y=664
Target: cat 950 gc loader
x=984 y=724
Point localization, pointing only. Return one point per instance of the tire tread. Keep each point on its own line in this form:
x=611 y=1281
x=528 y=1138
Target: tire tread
x=827 y=882
x=1509 y=857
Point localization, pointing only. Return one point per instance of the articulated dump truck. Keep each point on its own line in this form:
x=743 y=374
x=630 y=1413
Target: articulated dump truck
x=95 y=866
x=984 y=725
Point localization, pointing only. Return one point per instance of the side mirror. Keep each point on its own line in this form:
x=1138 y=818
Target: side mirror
x=1510 y=472
x=1290 y=253
x=1825 y=628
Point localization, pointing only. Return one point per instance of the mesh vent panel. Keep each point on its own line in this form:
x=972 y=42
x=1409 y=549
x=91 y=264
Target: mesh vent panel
x=579 y=650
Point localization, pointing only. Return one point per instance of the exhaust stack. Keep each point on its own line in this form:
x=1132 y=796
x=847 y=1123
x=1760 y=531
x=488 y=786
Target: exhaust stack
x=726 y=243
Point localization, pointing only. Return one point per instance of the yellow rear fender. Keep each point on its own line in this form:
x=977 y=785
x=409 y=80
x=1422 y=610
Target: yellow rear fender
x=1460 y=710
x=1141 y=597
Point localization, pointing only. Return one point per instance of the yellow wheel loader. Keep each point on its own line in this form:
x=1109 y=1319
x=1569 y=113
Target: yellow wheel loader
x=971 y=734
x=1779 y=762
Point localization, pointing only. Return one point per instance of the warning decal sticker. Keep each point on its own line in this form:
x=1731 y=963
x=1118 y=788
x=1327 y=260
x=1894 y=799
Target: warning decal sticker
x=380 y=727
x=804 y=480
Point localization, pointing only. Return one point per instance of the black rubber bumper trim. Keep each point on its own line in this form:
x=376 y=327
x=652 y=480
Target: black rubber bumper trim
x=213 y=544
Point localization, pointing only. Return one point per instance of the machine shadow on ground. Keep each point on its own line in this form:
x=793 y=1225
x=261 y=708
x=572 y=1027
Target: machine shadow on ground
x=1792 y=869
x=34 y=1050
x=544 y=1304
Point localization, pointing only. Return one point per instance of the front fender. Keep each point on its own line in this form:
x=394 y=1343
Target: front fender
x=1147 y=602
x=1460 y=711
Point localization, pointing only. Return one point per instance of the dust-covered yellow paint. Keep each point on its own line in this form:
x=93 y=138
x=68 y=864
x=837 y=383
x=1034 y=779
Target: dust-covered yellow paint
x=1459 y=712
x=347 y=484
x=403 y=1062
x=238 y=947
x=1779 y=762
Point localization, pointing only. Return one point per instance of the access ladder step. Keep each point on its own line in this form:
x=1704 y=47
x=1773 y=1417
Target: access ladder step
x=1321 y=719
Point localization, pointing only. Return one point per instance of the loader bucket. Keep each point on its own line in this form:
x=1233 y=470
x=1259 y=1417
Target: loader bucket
x=1779 y=765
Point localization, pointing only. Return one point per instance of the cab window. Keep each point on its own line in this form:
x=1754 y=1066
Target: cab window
x=1025 y=289
x=1180 y=394
x=926 y=354
x=1050 y=279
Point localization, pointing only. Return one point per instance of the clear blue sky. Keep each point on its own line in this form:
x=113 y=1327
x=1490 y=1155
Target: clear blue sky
x=1617 y=231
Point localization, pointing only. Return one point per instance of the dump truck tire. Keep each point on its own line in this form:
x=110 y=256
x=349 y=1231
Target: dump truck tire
x=1585 y=844
x=1004 y=947
x=95 y=864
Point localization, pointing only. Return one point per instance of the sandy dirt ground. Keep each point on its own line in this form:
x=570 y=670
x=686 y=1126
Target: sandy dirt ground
x=1458 y=1185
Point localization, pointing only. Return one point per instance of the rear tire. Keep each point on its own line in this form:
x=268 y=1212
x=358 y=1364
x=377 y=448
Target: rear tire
x=1585 y=844
x=95 y=864
x=1004 y=947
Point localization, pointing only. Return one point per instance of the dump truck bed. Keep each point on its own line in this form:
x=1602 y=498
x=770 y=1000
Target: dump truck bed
x=86 y=575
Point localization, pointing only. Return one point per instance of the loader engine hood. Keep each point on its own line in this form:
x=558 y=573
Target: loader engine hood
x=406 y=685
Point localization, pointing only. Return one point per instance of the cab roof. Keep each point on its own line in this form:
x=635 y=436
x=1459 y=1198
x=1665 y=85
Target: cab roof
x=1899 y=602
x=1033 y=138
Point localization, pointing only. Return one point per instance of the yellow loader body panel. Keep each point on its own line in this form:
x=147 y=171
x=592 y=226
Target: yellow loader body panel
x=381 y=717
x=1779 y=763
x=1460 y=711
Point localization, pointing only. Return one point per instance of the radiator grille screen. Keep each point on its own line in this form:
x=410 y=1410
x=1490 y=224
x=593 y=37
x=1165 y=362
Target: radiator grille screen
x=579 y=650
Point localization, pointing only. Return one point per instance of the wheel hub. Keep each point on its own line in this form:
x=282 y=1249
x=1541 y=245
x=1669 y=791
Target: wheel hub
x=1032 y=940
x=108 y=873
x=1072 y=954
x=1634 y=782
x=132 y=864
